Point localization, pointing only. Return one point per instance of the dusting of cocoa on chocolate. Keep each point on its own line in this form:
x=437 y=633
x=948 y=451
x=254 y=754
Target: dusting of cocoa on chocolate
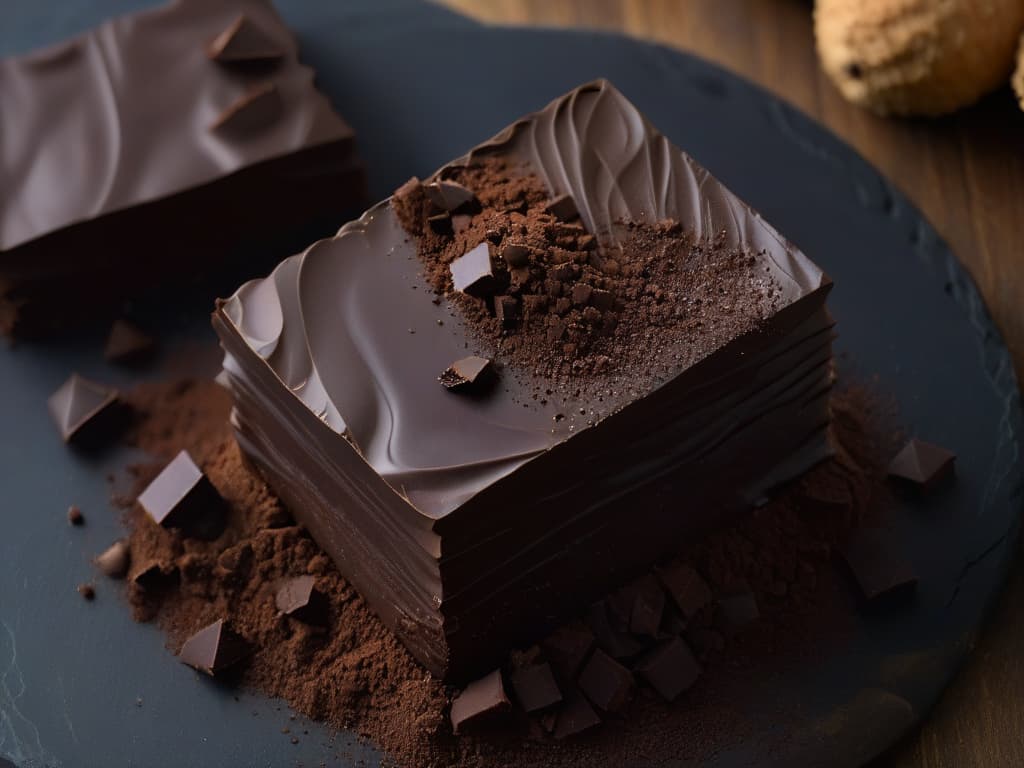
x=588 y=316
x=354 y=674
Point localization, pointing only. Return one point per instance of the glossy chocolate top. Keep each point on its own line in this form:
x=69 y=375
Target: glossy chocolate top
x=149 y=105
x=351 y=328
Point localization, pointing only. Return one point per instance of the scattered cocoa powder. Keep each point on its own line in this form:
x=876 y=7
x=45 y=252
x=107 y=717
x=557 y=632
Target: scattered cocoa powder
x=356 y=675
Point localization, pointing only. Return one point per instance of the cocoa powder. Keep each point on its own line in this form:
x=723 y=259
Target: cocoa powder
x=355 y=675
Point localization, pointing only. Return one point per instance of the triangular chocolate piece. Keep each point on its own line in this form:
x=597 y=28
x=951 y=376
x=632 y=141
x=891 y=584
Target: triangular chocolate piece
x=213 y=649
x=299 y=598
x=244 y=41
x=464 y=373
x=80 y=403
x=127 y=343
x=254 y=110
x=449 y=195
x=181 y=496
x=922 y=464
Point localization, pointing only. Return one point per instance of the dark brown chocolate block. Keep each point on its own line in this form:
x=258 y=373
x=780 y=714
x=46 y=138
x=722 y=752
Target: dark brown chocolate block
x=477 y=522
x=113 y=180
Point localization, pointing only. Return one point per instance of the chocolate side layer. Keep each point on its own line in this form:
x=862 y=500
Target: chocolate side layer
x=131 y=129
x=519 y=516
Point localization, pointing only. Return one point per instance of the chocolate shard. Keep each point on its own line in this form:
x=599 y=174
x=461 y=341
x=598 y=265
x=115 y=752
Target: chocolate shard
x=480 y=700
x=575 y=716
x=213 y=649
x=449 y=195
x=472 y=272
x=114 y=561
x=253 y=111
x=686 y=587
x=535 y=687
x=299 y=598
x=739 y=607
x=563 y=208
x=244 y=41
x=648 y=607
x=466 y=373
x=619 y=644
x=126 y=343
x=669 y=669
x=567 y=648
x=506 y=310
x=154 y=576
x=80 y=404
x=923 y=464
x=516 y=255
x=607 y=683
x=181 y=496
x=880 y=572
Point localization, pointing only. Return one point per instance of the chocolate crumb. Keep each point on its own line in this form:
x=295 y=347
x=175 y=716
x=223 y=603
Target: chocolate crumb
x=75 y=516
x=87 y=591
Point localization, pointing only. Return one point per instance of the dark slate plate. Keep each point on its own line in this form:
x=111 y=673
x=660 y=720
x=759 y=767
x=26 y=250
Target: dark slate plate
x=421 y=85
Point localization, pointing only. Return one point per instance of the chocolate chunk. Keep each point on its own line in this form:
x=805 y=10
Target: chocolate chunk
x=440 y=224
x=686 y=587
x=739 y=607
x=669 y=669
x=181 y=496
x=602 y=299
x=115 y=560
x=472 y=273
x=213 y=649
x=648 y=607
x=127 y=344
x=154 y=576
x=448 y=195
x=254 y=110
x=465 y=373
x=75 y=516
x=461 y=222
x=923 y=464
x=243 y=41
x=581 y=293
x=567 y=648
x=562 y=207
x=618 y=643
x=880 y=572
x=516 y=254
x=575 y=716
x=82 y=408
x=299 y=598
x=87 y=591
x=535 y=687
x=480 y=700
x=506 y=309
x=607 y=684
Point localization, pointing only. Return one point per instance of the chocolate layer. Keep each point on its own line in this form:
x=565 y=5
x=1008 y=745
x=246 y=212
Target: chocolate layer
x=475 y=523
x=138 y=128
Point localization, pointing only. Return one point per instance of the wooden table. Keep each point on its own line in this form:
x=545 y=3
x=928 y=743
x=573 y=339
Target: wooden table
x=966 y=172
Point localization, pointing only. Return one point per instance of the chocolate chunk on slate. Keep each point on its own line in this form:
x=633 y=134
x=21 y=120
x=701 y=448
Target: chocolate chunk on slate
x=563 y=207
x=254 y=110
x=465 y=373
x=472 y=272
x=669 y=669
x=213 y=649
x=75 y=516
x=606 y=683
x=619 y=644
x=567 y=648
x=535 y=687
x=516 y=254
x=440 y=224
x=243 y=41
x=506 y=309
x=480 y=699
x=181 y=496
x=79 y=404
x=686 y=587
x=880 y=572
x=298 y=597
x=923 y=464
x=126 y=343
x=448 y=195
x=575 y=716
x=114 y=561
x=87 y=591
x=648 y=607
x=739 y=607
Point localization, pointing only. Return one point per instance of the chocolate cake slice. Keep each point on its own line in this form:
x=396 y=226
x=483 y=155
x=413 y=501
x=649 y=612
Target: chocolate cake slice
x=658 y=358
x=155 y=142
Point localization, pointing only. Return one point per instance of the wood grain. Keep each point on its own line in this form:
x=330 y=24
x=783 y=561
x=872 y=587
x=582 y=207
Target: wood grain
x=966 y=172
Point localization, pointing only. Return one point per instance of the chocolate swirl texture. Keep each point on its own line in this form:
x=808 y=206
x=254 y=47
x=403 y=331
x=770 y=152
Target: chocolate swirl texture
x=472 y=523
